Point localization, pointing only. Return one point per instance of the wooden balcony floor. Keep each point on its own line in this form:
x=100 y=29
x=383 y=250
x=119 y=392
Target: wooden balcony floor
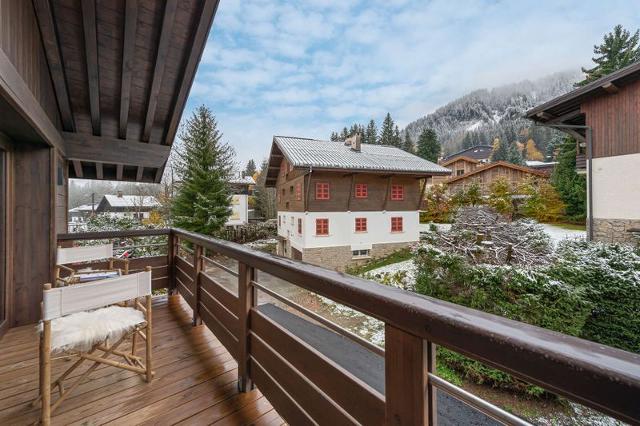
x=195 y=382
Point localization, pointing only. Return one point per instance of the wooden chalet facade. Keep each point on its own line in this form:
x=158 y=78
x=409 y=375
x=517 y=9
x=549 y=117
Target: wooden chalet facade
x=486 y=174
x=340 y=203
x=604 y=118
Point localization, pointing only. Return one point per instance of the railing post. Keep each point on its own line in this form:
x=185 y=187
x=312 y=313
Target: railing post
x=247 y=298
x=172 y=249
x=406 y=365
x=197 y=267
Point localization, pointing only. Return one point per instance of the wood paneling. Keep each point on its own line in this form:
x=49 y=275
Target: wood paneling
x=61 y=182
x=615 y=120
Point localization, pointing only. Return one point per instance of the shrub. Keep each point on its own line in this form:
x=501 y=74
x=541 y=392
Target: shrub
x=437 y=205
x=543 y=203
x=500 y=196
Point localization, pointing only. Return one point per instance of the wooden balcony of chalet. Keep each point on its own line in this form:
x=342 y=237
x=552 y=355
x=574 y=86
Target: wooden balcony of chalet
x=231 y=349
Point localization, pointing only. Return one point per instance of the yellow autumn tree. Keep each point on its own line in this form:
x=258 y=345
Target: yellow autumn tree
x=532 y=152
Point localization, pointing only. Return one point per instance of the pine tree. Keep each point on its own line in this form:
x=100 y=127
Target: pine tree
x=335 y=136
x=265 y=197
x=345 y=134
x=397 y=140
x=500 y=151
x=371 y=133
x=618 y=50
x=428 y=145
x=514 y=155
x=204 y=165
x=386 y=133
x=571 y=186
x=250 y=170
x=467 y=141
x=407 y=145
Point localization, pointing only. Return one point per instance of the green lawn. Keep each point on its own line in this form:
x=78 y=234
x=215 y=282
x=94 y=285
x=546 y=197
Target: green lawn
x=569 y=226
x=398 y=256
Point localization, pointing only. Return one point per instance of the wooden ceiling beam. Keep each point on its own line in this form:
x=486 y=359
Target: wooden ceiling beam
x=114 y=151
x=51 y=45
x=91 y=53
x=128 y=49
x=159 y=173
x=139 y=174
x=77 y=168
x=119 y=170
x=99 y=171
x=209 y=9
x=166 y=32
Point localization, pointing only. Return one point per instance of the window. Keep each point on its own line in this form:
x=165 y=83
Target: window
x=361 y=224
x=322 y=226
x=298 y=191
x=397 y=192
x=300 y=226
x=291 y=220
x=287 y=205
x=322 y=190
x=361 y=253
x=291 y=189
x=282 y=192
x=361 y=190
x=396 y=224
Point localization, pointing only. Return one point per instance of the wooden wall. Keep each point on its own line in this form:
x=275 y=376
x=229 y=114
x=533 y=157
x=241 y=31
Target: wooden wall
x=486 y=177
x=615 y=120
x=61 y=182
x=21 y=44
x=33 y=242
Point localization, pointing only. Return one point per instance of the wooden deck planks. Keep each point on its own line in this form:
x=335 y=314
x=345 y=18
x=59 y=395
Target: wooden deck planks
x=195 y=382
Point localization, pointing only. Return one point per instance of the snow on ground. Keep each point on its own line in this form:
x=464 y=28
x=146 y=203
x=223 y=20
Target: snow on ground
x=261 y=243
x=558 y=233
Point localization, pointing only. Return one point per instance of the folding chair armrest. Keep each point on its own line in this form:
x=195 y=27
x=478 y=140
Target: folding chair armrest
x=125 y=263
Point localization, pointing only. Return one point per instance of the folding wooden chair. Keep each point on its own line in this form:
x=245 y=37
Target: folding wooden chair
x=74 y=255
x=81 y=320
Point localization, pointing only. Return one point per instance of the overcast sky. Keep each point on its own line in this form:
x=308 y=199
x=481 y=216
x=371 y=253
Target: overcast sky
x=306 y=68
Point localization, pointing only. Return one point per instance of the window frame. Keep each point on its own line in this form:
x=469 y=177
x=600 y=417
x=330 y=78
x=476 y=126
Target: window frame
x=299 y=226
x=361 y=190
x=321 y=192
x=397 y=192
x=397 y=224
x=298 y=191
x=324 y=228
x=360 y=224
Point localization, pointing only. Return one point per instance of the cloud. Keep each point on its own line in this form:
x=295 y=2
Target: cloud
x=308 y=67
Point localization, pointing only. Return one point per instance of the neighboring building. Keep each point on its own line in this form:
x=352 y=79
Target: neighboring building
x=542 y=166
x=458 y=165
x=340 y=203
x=127 y=206
x=241 y=188
x=603 y=116
x=480 y=153
x=485 y=174
x=78 y=216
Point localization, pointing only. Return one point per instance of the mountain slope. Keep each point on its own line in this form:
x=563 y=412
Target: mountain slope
x=483 y=115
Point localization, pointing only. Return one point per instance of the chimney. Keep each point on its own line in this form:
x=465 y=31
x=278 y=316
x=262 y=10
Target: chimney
x=119 y=194
x=355 y=142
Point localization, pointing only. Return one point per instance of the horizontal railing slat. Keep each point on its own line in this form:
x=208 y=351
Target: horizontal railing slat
x=186 y=267
x=222 y=333
x=228 y=299
x=363 y=403
x=104 y=235
x=221 y=312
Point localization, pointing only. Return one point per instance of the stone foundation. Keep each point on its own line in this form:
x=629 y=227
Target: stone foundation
x=339 y=258
x=615 y=230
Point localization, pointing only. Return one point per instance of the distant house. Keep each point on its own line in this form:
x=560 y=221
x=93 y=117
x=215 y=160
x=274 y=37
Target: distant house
x=82 y=212
x=480 y=153
x=127 y=206
x=603 y=116
x=543 y=166
x=458 y=165
x=486 y=174
x=241 y=188
x=340 y=203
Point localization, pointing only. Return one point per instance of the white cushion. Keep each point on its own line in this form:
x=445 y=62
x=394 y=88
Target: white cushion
x=81 y=330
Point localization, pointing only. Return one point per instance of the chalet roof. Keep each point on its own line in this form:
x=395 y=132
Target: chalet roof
x=534 y=163
x=84 y=208
x=462 y=157
x=246 y=180
x=133 y=201
x=319 y=154
x=489 y=166
x=565 y=109
x=478 y=152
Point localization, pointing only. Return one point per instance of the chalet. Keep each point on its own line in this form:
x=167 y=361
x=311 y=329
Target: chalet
x=127 y=206
x=458 y=165
x=603 y=118
x=485 y=174
x=343 y=202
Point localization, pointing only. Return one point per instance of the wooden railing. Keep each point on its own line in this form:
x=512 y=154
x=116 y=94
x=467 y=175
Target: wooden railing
x=306 y=386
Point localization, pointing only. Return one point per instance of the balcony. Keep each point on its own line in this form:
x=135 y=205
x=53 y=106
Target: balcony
x=233 y=348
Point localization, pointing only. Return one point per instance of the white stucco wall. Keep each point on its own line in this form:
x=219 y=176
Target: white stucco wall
x=342 y=229
x=616 y=187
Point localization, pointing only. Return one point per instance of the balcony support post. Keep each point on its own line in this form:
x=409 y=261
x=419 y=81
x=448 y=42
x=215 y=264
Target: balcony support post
x=247 y=298
x=408 y=359
x=197 y=267
x=172 y=249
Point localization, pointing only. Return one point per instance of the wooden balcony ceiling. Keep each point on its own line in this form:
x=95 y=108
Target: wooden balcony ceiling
x=122 y=71
x=195 y=382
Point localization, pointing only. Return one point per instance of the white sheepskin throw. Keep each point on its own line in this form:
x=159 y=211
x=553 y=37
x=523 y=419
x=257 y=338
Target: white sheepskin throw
x=82 y=330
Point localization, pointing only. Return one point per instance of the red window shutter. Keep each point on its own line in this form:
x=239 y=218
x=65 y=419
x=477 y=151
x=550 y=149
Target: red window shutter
x=361 y=224
x=396 y=224
x=361 y=190
x=322 y=226
x=397 y=192
x=322 y=191
x=299 y=226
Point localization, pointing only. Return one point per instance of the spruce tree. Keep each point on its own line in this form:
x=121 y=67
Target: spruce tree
x=204 y=164
x=514 y=155
x=500 y=150
x=407 y=145
x=250 y=170
x=386 y=133
x=428 y=145
x=618 y=49
x=371 y=133
x=571 y=186
x=345 y=134
x=335 y=136
x=397 y=140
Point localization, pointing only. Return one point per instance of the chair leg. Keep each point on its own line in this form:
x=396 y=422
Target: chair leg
x=45 y=371
x=148 y=342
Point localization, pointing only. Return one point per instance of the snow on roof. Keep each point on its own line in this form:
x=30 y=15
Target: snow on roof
x=247 y=180
x=536 y=163
x=302 y=152
x=84 y=208
x=132 y=201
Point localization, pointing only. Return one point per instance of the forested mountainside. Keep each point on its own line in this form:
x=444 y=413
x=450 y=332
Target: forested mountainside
x=483 y=115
